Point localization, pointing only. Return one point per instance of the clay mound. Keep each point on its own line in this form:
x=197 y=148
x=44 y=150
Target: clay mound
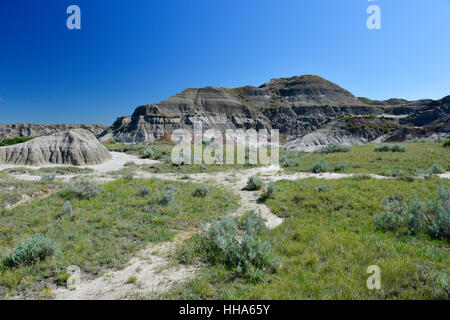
x=74 y=147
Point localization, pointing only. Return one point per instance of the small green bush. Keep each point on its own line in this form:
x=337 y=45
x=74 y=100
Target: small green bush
x=268 y=192
x=398 y=148
x=84 y=189
x=235 y=244
x=200 y=192
x=394 y=173
x=30 y=251
x=67 y=208
x=46 y=177
x=432 y=217
x=446 y=143
x=127 y=176
x=393 y=219
x=167 y=197
x=382 y=148
x=323 y=188
x=252 y=222
x=388 y=147
x=319 y=166
x=147 y=153
x=436 y=169
x=12 y=141
x=334 y=148
x=288 y=162
x=440 y=215
x=254 y=183
x=341 y=167
x=144 y=190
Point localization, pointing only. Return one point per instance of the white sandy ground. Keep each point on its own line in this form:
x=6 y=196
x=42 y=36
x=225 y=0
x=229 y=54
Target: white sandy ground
x=117 y=162
x=151 y=267
x=155 y=267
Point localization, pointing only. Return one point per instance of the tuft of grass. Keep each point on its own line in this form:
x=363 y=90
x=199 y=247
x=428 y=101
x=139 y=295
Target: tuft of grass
x=131 y=279
x=446 y=143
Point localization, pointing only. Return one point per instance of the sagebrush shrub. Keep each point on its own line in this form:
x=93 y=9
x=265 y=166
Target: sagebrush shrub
x=30 y=251
x=245 y=255
x=200 y=192
x=67 y=208
x=127 y=176
x=341 y=167
x=394 y=173
x=394 y=216
x=440 y=211
x=254 y=183
x=268 y=191
x=236 y=244
x=144 y=190
x=388 y=147
x=432 y=217
x=319 y=167
x=288 y=162
x=147 y=153
x=48 y=177
x=398 y=148
x=436 y=169
x=334 y=148
x=84 y=189
x=252 y=222
x=323 y=188
x=167 y=197
x=382 y=148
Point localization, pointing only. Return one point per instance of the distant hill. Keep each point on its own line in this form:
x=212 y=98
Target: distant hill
x=27 y=130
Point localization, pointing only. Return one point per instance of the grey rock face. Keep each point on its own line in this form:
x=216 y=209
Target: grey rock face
x=37 y=130
x=74 y=147
x=296 y=106
x=214 y=107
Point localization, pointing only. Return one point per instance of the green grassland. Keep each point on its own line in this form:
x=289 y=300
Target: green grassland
x=11 y=190
x=12 y=141
x=104 y=232
x=329 y=239
x=419 y=157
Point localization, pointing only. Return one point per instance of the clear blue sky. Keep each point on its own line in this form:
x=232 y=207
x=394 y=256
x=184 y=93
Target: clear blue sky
x=134 y=52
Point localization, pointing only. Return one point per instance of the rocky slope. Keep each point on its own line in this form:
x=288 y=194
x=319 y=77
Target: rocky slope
x=296 y=106
x=37 y=130
x=74 y=147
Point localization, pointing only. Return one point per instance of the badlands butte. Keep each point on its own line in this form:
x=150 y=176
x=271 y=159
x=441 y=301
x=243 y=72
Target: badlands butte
x=309 y=111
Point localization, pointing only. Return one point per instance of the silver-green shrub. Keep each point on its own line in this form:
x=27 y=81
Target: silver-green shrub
x=254 y=183
x=30 y=251
x=334 y=148
x=200 y=192
x=319 y=166
x=84 y=189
